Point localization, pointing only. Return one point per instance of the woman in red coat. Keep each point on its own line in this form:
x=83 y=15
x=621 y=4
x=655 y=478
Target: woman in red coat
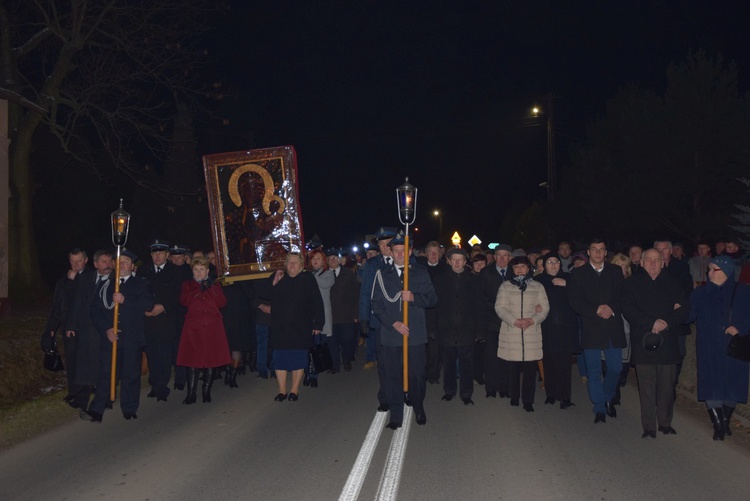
x=203 y=344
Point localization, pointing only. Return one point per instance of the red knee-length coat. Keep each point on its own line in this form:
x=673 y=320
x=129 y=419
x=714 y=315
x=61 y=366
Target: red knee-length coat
x=204 y=342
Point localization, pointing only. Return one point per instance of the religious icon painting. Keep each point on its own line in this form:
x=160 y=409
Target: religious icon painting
x=255 y=212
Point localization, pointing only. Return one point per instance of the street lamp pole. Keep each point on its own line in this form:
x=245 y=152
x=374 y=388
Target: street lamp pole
x=551 y=164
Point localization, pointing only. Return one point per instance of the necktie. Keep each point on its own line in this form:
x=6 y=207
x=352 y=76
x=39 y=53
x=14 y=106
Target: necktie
x=388 y=261
x=502 y=273
x=400 y=270
x=158 y=270
x=122 y=281
x=336 y=272
x=99 y=280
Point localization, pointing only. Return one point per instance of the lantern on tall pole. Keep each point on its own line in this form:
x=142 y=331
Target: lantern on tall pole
x=406 y=197
x=120 y=227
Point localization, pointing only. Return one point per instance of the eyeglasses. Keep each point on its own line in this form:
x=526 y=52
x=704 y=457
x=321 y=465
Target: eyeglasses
x=552 y=261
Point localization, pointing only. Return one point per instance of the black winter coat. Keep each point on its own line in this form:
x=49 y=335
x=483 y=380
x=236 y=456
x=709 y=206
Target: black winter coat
x=560 y=328
x=459 y=308
x=296 y=310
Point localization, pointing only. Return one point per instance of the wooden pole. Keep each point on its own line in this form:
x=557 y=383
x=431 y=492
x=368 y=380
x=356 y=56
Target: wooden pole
x=405 y=309
x=113 y=371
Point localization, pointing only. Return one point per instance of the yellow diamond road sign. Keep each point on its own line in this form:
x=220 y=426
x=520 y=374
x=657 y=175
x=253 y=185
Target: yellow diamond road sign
x=474 y=240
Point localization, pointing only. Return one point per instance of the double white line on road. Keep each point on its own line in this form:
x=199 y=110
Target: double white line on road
x=389 y=481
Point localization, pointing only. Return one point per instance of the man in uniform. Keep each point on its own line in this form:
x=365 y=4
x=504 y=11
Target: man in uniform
x=160 y=324
x=387 y=298
x=134 y=299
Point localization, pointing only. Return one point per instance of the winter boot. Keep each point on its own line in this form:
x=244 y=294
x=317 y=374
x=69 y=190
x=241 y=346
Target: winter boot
x=192 y=385
x=234 y=368
x=208 y=382
x=728 y=411
x=717 y=418
x=229 y=374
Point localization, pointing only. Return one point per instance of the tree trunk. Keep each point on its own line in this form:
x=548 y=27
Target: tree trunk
x=25 y=280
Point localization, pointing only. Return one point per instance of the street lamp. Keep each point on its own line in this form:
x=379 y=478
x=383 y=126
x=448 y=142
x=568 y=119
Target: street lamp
x=406 y=197
x=439 y=215
x=120 y=228
x=551 y=164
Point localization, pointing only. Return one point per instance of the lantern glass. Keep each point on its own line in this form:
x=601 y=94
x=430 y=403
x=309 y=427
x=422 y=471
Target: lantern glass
x=120 y=226
x=406 y=195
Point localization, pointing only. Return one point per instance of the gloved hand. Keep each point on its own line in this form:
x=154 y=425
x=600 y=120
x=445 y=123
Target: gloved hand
x=364 y=329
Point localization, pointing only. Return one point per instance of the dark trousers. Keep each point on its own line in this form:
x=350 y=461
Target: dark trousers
x=346 y=336
x=557 y=373
x=159 y=356
x=381 y=363
x=464 y=357
x=394 y=368
x=528 y=369
x=656 y=392
x=128 y=373
x=70 y=345
x=496 y=370
x=180 y=372
x=434 y=360
x=479 y=361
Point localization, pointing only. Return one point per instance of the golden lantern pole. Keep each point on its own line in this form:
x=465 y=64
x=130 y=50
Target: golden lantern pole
x=120 y=227
x=406 y=196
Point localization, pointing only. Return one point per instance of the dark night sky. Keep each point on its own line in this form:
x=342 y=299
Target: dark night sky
x=370 y=92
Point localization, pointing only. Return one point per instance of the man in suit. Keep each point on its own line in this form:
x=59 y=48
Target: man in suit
x=78 y=326
x=387 y=296
x=435 y=266
x=135 y=299
x=62 y=301
x=595 y=293
x=496 y=371
x=160 y=324
x=369 y=324
x=344 y=312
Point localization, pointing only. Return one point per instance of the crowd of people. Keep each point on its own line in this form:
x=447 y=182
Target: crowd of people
x=501 y=318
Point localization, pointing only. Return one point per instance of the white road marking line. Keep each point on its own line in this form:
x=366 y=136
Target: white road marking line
x=362 y=464
x=394 y=464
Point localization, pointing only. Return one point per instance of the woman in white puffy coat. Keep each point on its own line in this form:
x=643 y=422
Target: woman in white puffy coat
x=522 y=305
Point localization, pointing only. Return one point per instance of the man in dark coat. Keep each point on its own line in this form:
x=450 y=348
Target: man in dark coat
x=62 y=301
x=135 y=299
x=178 y=257
x=344 y=312
x=458 y=320
x=496 y=371
x=78 y=325
x=655 y=305
x=160 y=324
x=595 y=293
x=387 y=298
x=435 y=265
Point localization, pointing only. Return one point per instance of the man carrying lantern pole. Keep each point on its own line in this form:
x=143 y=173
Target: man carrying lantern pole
x=401 y=293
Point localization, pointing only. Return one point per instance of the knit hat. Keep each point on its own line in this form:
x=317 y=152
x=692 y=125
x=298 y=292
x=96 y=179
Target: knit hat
x=726 y=264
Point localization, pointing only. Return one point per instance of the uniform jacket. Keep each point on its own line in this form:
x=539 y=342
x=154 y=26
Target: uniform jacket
x=644 y=301
x=345 y=297
x=138 y=300
x=371 y=267
x=85 y=293
x=587 y=290
x=296 y=310
x=203 y=343
x=388 y=312
x=459 y=308
x=166 y=286
x=720 y=377
x=512 y=303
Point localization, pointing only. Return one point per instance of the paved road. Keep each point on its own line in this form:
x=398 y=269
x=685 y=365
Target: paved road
x=246 y=446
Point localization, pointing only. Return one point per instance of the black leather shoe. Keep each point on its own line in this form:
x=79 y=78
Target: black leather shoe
x=479 y=380
x=647 y=434
x=528 y=407
x=492 y=394
x=467 y=401
x=280 y=397
x=347 y=366
x=600 y=418
x=262 y=375
x=383 y=408
x=313 y=383
x=393 y=425
x=74 y=404
x=108 y=404
x=179 y=387
x=161 y=399
x=306 y=381
x=293 y=397
x=421 y=418
x=504 y=394
x=447 y=397
x=514 y=402
x=69 y=397
x=92 y=416
x=611 y=409
x=565 y=404
x=151 y=394
x=130 y=415
x=667 y=430
x=549 y=400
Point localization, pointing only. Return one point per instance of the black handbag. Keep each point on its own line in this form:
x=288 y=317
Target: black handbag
x=52 y=359
x=739 y=346
x=320 y=358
